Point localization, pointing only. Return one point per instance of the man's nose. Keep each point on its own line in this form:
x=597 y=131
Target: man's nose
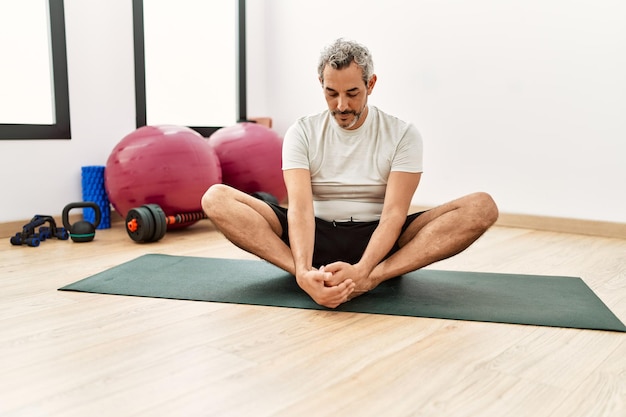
x=342 y=104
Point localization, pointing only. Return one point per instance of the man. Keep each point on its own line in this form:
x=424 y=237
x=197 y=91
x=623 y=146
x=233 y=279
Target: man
x=350 y=172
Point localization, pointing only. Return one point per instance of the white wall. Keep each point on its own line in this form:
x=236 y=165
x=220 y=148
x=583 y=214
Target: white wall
x=42 y=176
x=524 y=99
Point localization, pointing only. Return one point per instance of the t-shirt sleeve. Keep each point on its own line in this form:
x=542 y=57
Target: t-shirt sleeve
x=295 y=148
x=409 y=152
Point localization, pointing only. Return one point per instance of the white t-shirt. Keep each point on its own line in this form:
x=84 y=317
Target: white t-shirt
x=349 y=168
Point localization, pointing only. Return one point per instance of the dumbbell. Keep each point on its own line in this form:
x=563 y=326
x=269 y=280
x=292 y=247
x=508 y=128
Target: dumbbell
x=149 y=222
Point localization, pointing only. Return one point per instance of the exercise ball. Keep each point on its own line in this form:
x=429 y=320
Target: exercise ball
x=171 y=166
x=251 y=158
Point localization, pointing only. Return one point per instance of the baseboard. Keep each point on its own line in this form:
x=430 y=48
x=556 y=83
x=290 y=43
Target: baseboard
x=564 y=225
x=557 y=224
x=524 y=221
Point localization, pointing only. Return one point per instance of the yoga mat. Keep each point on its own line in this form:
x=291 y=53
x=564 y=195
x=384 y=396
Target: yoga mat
x=492 y=297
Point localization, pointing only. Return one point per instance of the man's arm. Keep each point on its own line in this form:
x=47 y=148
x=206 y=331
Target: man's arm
x=400 y=190
x=401 y=187
x=301 y=219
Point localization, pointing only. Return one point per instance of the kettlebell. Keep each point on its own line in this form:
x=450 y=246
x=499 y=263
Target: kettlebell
x=81 y=231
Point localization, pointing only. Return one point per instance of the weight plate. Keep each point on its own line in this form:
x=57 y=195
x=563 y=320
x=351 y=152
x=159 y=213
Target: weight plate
x=144 y=224
x=160 y=221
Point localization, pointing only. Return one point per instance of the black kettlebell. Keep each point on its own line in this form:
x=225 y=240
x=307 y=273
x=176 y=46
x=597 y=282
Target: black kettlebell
x=81 y=231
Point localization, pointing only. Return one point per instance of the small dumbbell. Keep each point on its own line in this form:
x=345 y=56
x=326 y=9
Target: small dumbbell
x=32 y=241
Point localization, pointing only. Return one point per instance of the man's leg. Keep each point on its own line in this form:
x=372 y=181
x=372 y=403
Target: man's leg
x=438 y=234
x=249 y=223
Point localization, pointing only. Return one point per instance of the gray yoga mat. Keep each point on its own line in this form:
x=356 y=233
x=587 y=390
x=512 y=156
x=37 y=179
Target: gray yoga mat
x=492 y=297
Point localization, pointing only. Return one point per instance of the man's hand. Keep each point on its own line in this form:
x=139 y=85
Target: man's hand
x=343 y=271
x=314 y=283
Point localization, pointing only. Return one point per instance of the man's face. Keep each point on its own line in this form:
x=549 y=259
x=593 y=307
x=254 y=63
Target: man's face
x=346 y=95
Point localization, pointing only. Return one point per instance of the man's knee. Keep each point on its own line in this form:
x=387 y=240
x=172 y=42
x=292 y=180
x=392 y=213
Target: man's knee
x=485 y=208
x=215 y=198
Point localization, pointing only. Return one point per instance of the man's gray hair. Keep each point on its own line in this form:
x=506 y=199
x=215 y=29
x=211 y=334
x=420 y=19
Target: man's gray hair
x=341 y=53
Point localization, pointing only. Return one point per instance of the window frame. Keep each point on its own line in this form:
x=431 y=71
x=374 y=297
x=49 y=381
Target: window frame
x=140 y=69
x=61 y=128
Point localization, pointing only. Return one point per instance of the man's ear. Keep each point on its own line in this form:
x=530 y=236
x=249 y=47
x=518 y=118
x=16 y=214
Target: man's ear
x=321 y=81
x=371 y=83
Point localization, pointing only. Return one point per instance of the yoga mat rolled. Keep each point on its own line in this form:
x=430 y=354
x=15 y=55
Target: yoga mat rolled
x=491 y=297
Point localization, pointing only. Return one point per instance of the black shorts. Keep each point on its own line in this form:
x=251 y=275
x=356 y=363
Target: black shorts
x=339 y=241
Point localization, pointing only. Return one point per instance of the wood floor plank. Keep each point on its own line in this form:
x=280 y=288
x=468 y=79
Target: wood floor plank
x=76 y=354
x=603 y=392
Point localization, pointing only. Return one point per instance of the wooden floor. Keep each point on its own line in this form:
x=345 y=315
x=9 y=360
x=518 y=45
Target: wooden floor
x=75 y=354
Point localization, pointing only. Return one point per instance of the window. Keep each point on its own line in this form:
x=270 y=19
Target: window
x=190 y=63
x=34 y=102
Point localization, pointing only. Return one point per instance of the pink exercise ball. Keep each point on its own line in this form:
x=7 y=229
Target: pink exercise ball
x=171 y=166
x=251 y=158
